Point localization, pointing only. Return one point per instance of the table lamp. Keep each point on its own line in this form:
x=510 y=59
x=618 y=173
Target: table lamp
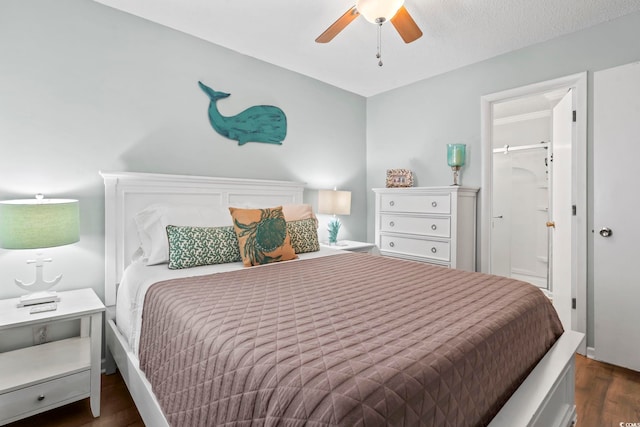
x=334 y=202
x=37 y=224
x=456 y=154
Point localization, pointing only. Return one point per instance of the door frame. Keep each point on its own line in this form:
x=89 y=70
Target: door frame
x=577 y=82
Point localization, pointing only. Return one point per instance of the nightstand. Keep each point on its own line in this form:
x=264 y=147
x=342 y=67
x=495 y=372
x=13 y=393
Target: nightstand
x=353 y=246
x=42 y=377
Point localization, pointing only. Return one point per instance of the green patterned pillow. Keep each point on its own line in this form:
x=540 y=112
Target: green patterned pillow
x=304 y=235
x=195 y=246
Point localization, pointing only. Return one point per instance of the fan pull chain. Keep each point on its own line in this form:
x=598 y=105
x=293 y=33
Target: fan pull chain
x=379 y=21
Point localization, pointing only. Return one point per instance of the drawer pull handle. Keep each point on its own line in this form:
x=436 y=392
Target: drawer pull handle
x=391 y=244
x=434 y=204
x=434 y=250
x=391 y=224
x=434 y=227
x=41 y=398
x=392 y=203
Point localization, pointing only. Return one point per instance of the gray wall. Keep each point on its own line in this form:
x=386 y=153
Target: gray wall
x=410 y=127
x=85 y=88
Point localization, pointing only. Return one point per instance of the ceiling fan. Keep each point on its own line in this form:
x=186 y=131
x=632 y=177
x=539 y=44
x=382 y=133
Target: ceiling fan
x=376 y=12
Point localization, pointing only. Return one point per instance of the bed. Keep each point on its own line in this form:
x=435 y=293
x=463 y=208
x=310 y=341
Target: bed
x=265 y=369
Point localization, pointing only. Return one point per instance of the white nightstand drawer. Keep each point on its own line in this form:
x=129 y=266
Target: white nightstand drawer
x=424 y=203
x=426 y=226
x=435 y=250
x=45 y=396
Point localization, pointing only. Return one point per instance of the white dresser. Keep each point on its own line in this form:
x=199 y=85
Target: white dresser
x=430 y=224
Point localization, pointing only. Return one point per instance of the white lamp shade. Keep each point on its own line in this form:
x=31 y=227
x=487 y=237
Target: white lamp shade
x=333 y=202
x=374 y=9
x=38 y=223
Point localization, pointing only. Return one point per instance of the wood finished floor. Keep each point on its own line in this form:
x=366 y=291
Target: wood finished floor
x=606 y=396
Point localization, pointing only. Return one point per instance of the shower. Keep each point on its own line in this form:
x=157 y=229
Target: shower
x=521 y=211
x=521 y=200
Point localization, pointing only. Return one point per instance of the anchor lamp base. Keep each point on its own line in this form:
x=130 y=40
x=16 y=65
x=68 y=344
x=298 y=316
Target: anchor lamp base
x=38 y=289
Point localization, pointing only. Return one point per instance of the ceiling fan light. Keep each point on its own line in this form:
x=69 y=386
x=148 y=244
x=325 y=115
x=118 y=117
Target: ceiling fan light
x=374 y=9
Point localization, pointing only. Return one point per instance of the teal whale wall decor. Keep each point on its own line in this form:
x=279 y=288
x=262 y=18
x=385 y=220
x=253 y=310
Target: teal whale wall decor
x=260 y=123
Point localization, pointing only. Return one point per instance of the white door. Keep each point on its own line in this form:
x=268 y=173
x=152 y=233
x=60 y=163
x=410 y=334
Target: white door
x=561 y=210
x=616 y=150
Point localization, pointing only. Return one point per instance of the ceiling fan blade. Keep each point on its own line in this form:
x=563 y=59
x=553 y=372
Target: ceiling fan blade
x=406 y=26
x=338 y=26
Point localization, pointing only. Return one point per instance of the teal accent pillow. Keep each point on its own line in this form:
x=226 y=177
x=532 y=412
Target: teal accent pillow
x=304 y=235
x=196 y=246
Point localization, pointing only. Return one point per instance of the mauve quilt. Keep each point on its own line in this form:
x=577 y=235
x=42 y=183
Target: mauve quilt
x=345 y=340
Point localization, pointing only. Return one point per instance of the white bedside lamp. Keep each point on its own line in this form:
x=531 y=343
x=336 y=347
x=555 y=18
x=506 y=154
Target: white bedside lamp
x=333 y=202
x=37 y=224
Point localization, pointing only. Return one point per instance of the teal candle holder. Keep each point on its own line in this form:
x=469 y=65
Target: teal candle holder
x=456 y=155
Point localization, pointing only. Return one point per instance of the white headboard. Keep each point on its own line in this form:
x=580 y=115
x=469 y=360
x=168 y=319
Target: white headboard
x=127 y=193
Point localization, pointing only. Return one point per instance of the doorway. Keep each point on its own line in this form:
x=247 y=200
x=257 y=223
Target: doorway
x=521 y=160
x=518 y=206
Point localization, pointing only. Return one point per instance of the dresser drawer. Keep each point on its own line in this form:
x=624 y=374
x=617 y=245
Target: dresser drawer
x=423 y=203
x=45 y=395
x=425 y=226
x=431 y=249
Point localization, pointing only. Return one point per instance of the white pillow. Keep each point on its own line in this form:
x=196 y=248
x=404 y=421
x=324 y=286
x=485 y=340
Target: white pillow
x=298 y=211
x=152 y=222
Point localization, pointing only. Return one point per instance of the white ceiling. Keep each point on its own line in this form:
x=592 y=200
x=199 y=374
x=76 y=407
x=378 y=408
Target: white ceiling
x=456 y=33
